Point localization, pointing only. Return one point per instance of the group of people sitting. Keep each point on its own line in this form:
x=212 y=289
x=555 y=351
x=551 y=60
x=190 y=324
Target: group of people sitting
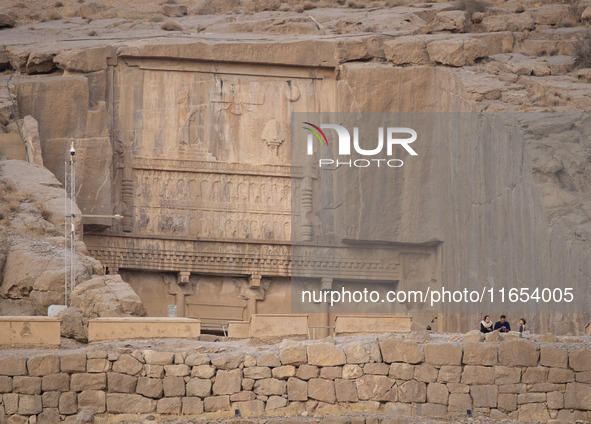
x=486 y=325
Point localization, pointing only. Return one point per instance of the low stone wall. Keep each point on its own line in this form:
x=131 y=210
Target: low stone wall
x=515 y=379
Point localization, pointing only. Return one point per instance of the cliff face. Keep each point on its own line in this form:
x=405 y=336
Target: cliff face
x=187 y=134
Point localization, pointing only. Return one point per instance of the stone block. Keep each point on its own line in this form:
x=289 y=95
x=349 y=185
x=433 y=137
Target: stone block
x=531 y=398
x=376 y=368
x=203 y=371
x=93 y=400
x=191 y=406
x=345 y=390
x=551 y=356
x=154 y=357
x=278 y=325
x=577 y=396
x=480 y=354
x=560 y=375
x=535 y=375
x=30 y=331
x=149 y=387
x=425 y=373
x=325 y=355
x=198 y=387
x=217 y=403
x=512 y=388
x=195 y=359
x=68 y=403
x=228 y=382
x=583 y=377
x=406 y=50
x=412 y=391
x=449 y=374
x=306 y=372
x=238 y=329
x=10 y=401
x=395 y=409
x=321 y=390
x=50 y=399
x=451 y=20
x=250 y=408
x=169 y=405
x=270 y=386
x=395 y=350
x=247 y=383
x=30 y=404
x=374 y=387
x=177 y=370
x=55 y=382
x=242 y=396
x=124 y=403
x=484 y=396
x=284 y=372
x=126 y=364
x=507 y=375
x=330 y=373
x=507 y=402
x=173 y=386
x=351 y=371
x=73 y=362
x=86 y=381
x=459 y=402
x=157 y=371
x=275 y=402
x=39 y=366
x=97 y=365
x=27 y=385
x=256 y=373
x=518 y=353
x=297 y=390
x=456 y=51
x=580 y=360
x=49 y=416
x=437 y=393
x=431 y=410
x=293 y=355
x=268 y=360
x=227 y=362
x=125 y=328
x=533 y=412
x=555 y=400
x=458 y=388
x=356 y=354
x=474 y=374
x=5 y=384
x=545 y=387
x=443 y=354
x=360 y=324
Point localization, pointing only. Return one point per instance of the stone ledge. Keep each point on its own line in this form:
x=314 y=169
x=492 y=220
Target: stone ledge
x=29 y=331
x=113 y=329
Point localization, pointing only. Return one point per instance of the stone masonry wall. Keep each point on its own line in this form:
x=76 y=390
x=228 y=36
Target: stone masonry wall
x=515 y=379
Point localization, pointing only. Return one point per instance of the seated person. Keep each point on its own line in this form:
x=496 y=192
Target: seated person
x=522 y=325
x=503 y=325
x=486 y=325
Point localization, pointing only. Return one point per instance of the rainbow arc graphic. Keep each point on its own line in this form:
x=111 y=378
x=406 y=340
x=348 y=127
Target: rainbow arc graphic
x=316 y=131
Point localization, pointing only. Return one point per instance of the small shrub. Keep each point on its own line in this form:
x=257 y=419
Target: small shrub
x=43 y=211
x=471 y=6
x=299 y=9
x=59 y=4
x=92 y=33
x=169 y=2
x=309 y=5
x=156 y=19
x=171 y=26
x=583 y=51
x=355 y=5
x=341 y=2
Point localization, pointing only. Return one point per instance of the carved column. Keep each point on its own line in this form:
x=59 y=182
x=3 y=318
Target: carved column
x=307 y=230
x=325 y=284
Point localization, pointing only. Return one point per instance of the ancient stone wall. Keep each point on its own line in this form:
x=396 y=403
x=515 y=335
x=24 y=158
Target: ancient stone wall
x=514 y=378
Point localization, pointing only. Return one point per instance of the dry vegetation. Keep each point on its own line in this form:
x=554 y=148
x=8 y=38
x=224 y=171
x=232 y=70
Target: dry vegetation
x=583 y=51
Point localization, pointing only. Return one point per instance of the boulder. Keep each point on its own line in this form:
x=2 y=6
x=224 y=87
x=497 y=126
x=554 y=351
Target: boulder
x=174 y=10
x=107 y=296
x=6 y=21
x=451 y=20
x=553 y=14
x=74 y=324
x=325 y=355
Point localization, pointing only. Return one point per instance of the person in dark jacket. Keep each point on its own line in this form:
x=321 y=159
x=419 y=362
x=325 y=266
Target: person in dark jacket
x=486 y=325
x=503 y=325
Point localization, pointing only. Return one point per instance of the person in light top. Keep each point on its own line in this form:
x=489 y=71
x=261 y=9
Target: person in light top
x=486 y=325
